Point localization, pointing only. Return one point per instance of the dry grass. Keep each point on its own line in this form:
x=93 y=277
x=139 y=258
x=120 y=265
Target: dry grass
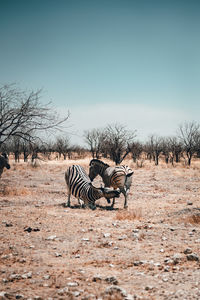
x=194 y=219
x=133 y=214
x=12 y=191
x=140 y=238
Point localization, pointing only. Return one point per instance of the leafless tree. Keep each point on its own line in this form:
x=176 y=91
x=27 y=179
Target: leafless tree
x=62 y=146
x=166 y=148
x=189 y=135
x=176 y=149
x=136 y=149
x=95 y=139
x=22 y=115
x=118 y=140
x=155 y=146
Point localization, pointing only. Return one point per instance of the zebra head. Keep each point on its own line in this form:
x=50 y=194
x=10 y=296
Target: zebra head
x=4 y=160
x=97 y=167
x=110 y=193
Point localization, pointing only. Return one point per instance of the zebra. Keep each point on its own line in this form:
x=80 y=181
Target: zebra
x=3 y=163
x=80 y=186
x=118 y=177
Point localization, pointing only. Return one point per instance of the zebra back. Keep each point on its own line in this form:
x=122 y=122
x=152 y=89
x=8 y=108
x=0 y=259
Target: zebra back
x=118 y=179
x=80 y=186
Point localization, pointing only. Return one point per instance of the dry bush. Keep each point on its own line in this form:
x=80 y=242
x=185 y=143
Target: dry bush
x=194 y=219
x=12 y=191
x=130 y=215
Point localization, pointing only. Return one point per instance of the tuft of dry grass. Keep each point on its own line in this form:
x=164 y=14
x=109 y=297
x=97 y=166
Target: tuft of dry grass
x=12 y=191
x=133 y=214
x=194 y=219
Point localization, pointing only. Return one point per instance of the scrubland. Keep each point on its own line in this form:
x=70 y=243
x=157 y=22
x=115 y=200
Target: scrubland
x=149 y=251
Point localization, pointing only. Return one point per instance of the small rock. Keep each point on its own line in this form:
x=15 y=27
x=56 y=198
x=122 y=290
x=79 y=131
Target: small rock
x=97 y=278
x=192 y=257
x=63 y=291
x=27 y=275
x=76 y=293
x=51 y=238
x=112 y=280
x=19 y=296
x=166 y=269
x=123 y=237
x=3 y=295
x=5 y=256
x=72 y=284
x=165 y=279
x=85 y=239
x=46 y=277
x=137 y=263
x=15 y=277
x=189 y=203
x=106 y=235
x=29 y=229
x=58 y=254
x=177 y=258
x=187 y=251
x=148 y=288
x=114 y=290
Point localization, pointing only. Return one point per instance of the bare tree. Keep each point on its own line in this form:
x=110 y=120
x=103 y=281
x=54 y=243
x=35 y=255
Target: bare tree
x=166 y=148
x=189 y=135
x=22 y=115
x=136 y=149
x=176 y=149
x=95 y=139
x=118 y=140
x=62 y=146
x=155 y=146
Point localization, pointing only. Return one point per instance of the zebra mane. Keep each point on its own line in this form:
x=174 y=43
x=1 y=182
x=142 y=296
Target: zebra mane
x=99 y=162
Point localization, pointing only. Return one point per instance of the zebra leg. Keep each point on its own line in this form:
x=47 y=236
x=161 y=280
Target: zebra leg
x=68 y=202
x=113 y=203
x=125 y=197
x=81 y=203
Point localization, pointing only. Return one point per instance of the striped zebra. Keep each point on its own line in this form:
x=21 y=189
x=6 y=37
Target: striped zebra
x=119 y=177
x=3 y=163
x=80 y=186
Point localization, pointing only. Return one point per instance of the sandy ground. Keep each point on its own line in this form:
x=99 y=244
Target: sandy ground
x=149 y=251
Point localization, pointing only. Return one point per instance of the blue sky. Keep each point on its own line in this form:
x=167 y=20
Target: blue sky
x=132 y=62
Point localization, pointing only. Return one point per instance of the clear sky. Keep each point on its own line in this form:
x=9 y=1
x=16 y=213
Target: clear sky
x=132 y=62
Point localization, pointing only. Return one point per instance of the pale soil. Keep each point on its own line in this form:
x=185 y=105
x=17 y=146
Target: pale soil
x=74 y=253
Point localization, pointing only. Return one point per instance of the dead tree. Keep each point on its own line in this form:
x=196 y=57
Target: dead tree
x=22 y=115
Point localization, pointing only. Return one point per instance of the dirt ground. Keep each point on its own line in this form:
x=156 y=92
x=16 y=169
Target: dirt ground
x=149 y=251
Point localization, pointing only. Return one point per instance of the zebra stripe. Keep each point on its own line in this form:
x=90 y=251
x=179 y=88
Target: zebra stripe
x=117 y=177
x=80 y=186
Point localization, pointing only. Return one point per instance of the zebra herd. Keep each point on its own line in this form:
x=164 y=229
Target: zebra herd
x=79 y=184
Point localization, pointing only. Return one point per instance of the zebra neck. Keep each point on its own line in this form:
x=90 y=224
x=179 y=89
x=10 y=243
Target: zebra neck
x=102 y=170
